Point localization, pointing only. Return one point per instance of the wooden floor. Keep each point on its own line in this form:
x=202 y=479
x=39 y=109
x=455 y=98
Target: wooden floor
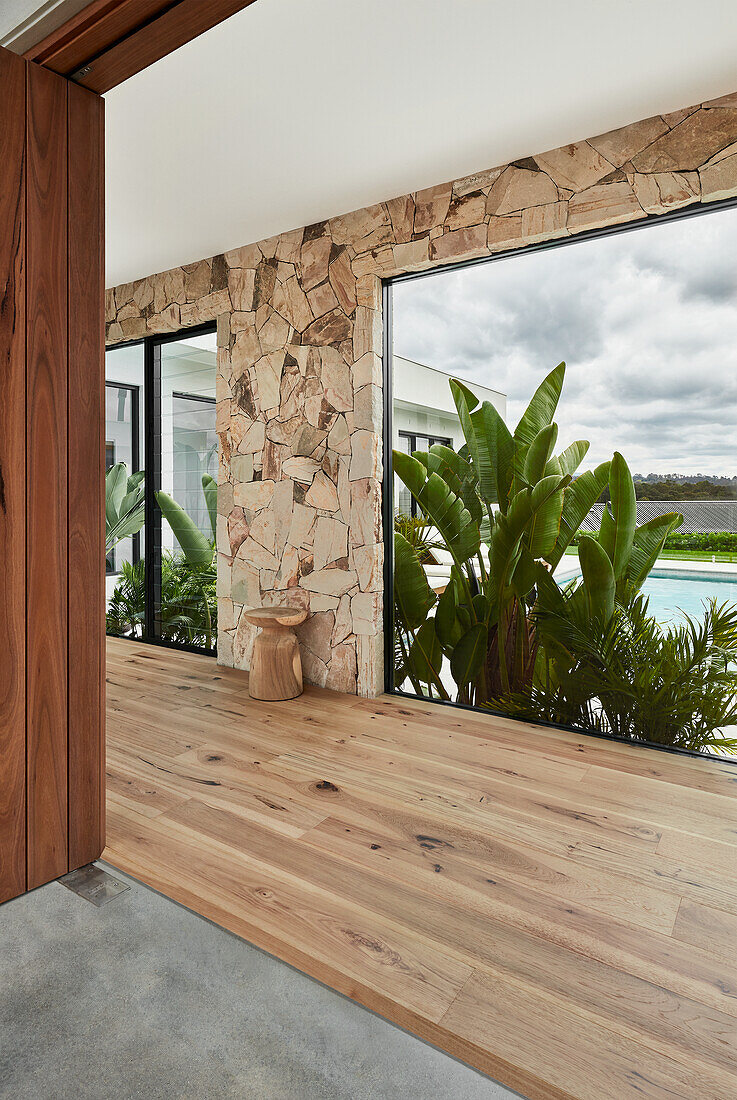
x=559 y=911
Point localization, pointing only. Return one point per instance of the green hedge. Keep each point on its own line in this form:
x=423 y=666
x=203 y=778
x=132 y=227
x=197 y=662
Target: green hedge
x=711 y=542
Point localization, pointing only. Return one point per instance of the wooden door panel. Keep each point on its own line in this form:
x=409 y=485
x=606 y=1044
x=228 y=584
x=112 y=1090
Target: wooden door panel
x=86 y=484
x=12 y=480
x=46 y=411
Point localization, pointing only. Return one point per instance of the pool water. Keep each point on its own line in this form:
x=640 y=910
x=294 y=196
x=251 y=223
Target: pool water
x=676 y=591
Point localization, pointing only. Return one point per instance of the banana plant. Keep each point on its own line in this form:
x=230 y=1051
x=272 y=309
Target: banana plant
x=567 y=682
x=124 y=504
x=615 y=565
x=198 y=550
x=501 y=505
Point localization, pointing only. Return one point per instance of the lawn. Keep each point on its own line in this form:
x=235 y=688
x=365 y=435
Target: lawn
x=688 y=555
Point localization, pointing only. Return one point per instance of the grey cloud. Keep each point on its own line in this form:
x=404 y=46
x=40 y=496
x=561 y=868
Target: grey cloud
x=647 y=322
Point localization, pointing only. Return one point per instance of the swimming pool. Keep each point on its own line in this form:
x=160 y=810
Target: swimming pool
x=673 y=591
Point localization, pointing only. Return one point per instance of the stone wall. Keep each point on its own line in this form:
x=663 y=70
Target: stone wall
x=299 y=397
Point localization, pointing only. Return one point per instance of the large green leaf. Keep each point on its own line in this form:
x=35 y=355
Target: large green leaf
x=425 y=654
x=210 y=489
x=577 y=501
x=538 y=454
x=495 y=455
x=412 y=593
x=568 y=461
x=447 y=624
x=441 y=505
x=459 y=474
x=489 y=444
x=544 y=528
x=647 y=544
x=116 y=486
x=470 y=397
x=124 y=505
x=607 y=531
x=525 y=573
x=467 y=659
x=624 y=511
x=598 y=579
x=509 y=530
x=195 y=546
x=538 y=414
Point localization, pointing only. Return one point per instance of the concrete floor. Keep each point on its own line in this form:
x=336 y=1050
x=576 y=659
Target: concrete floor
x=142 y=998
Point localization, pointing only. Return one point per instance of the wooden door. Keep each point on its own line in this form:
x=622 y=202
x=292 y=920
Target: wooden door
x=51 y=471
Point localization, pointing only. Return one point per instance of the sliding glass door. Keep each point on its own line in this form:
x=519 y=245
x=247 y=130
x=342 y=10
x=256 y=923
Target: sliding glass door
x=161 y=421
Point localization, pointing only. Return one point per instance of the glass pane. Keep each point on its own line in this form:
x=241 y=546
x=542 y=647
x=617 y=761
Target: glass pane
x=123 y=435
x=581 y=621
x=187 y=610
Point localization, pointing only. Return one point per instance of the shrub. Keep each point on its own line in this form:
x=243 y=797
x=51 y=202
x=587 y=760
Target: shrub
x=706 y=542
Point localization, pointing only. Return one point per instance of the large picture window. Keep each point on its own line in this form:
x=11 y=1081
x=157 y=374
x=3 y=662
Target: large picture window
x=161 y=421
x=564 y=483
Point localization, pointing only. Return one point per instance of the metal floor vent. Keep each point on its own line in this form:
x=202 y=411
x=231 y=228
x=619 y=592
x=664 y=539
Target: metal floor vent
x=93 y=884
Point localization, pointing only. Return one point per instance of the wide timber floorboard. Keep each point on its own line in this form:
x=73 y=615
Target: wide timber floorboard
x=558 y=911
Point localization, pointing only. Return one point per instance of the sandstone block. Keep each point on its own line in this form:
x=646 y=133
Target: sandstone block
x=241 y=282
x=466 y=210
x=518 y=188
x=368 y=561
x=544 y=223
x=342 y=671
x=619 y=146
x=691 y=143
x=314 y=259
x=332 y=328
x=302 y=523
x=604 y=204
x=366 y=613
x=719 y=179
x=365 y=455
x=322 y=493
x=412 y=256
x=577 y=166
x=368 y=332
x=253 y=495
x=402 y=213
x=343 y=281
x=460 y=244
x=343 y=621
x=659 y=192
x=505 y=232
x=365 y=512
x=330 y=541
x=291 y=302
x=330 y=582
x=431 y=207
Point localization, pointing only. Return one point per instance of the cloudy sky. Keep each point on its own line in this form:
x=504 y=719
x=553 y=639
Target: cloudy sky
x=646 y=322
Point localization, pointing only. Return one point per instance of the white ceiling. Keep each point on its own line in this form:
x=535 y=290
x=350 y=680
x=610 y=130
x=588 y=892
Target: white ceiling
x=294 y=111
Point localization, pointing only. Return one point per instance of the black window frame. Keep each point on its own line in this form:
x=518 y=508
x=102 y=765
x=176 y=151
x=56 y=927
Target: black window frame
x=150 y=422
x=135 y=392
x=387 y=509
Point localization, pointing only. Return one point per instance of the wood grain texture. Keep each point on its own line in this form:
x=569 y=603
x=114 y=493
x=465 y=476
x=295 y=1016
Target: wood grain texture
x=12 y=479
x=91 y=31
x=114 y=41
x=276 y=664
x=46 y=472
x=86 y=400
x=529 y=900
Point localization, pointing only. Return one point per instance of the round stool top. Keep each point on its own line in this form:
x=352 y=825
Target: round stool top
x=281 y=614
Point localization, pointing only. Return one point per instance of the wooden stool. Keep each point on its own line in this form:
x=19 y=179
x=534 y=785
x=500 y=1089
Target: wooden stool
x=276 y=667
